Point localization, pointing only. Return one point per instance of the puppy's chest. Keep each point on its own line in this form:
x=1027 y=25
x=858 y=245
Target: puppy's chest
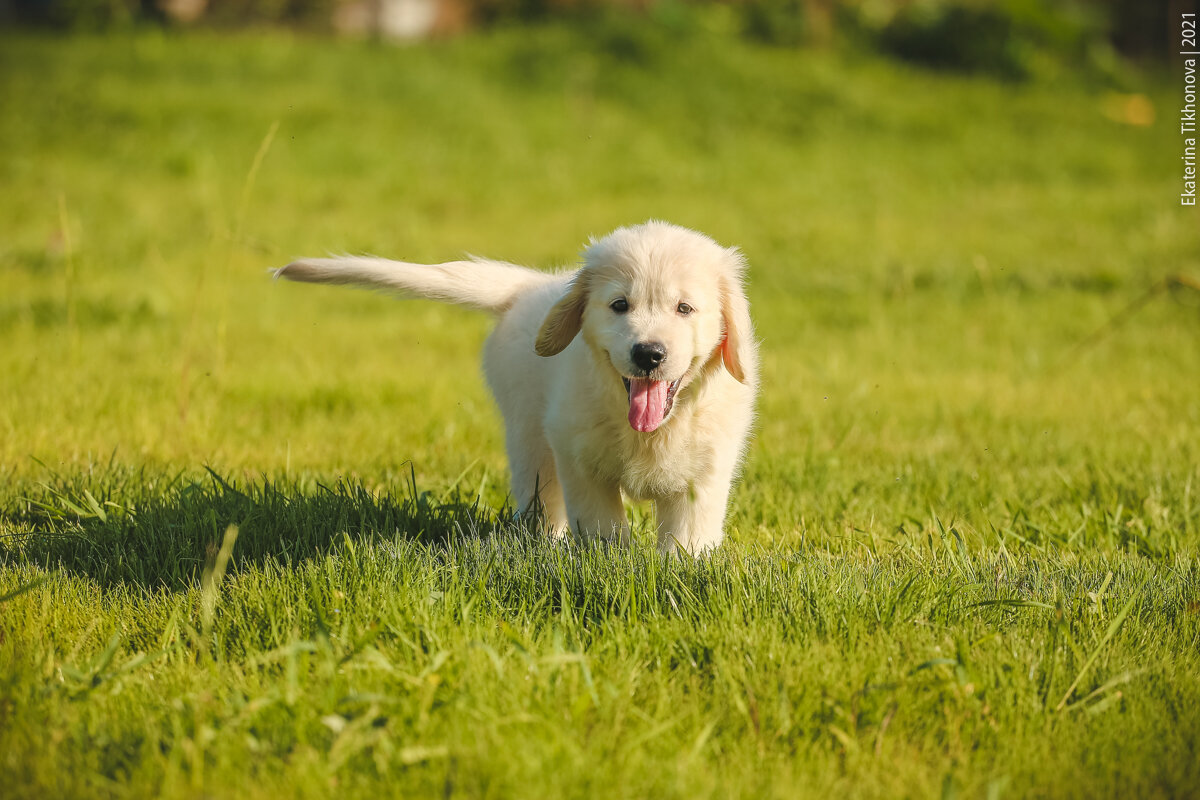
x=651 y=465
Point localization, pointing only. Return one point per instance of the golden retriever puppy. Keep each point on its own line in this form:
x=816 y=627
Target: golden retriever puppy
x=634 y=373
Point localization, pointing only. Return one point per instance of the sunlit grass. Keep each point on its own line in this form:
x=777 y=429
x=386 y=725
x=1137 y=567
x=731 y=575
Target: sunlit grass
x=962 y=557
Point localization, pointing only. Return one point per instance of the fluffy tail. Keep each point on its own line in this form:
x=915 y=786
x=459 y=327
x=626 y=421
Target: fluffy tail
x=485 y=285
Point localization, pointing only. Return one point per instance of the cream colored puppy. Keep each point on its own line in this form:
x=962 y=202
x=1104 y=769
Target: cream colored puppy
x=636 y=372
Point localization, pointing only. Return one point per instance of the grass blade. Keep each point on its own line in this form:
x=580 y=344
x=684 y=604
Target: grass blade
x=1113 y=627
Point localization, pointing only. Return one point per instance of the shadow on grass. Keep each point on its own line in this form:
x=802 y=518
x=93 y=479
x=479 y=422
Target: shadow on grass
x=130 y=529
x=157 y=532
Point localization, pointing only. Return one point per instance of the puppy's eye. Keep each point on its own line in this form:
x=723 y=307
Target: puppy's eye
x=620 y=305
x=684 y=309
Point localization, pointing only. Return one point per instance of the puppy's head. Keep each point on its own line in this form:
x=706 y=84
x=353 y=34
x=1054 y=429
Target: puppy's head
x=663 y=306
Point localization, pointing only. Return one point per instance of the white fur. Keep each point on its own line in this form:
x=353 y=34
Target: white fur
x=555 y=363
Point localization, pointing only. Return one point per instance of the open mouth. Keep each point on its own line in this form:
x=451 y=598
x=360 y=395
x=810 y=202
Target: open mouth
x=650 y=402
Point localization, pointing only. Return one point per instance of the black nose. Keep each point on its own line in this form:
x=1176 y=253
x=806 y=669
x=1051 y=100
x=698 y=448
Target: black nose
x=648 y=355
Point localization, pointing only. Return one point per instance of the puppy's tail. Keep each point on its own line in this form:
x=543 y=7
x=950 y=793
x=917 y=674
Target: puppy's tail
x=485 y=285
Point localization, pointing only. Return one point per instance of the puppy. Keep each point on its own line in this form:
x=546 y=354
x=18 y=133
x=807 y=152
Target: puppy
x=634 y=373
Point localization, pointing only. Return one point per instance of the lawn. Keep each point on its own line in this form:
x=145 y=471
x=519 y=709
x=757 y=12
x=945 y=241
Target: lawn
x=252 y=535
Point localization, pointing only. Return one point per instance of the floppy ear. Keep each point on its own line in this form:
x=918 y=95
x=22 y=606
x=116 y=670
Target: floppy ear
x=737 y=348
x=564 y=320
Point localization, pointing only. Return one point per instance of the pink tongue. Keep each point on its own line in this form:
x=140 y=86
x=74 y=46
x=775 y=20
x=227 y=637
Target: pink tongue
x=647 y=402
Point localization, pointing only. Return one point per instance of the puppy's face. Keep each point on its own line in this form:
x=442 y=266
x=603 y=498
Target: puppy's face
x=652 y=303
x=656 y=325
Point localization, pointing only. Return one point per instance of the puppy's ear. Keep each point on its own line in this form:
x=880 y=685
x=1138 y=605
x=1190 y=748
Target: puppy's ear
x=564 y=320
x=737 y=348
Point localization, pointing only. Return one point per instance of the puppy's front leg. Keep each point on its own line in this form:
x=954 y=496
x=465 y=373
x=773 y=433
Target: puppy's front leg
x=594 y=508
x=693 y=521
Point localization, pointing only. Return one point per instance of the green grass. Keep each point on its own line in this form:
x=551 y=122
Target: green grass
x=963 y=558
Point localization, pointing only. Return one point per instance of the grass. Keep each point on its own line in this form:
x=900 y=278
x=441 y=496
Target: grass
x=962 y=560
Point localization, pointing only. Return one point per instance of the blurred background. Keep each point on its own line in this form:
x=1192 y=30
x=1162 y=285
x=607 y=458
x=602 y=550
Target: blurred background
x=1004 y=36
